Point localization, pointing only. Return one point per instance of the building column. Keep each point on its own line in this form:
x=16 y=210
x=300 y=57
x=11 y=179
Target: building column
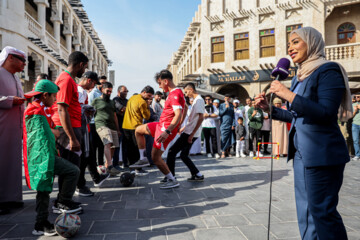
x=41 y=6
x=77 y=47
x=68 y=37
x=90 y=64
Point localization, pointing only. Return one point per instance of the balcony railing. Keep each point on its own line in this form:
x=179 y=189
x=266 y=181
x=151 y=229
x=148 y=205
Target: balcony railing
x=51 y=41
x=64 y=53
x=343 y=52
x=33 y=25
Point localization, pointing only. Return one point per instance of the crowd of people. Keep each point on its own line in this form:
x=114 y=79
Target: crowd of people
x=73 y=124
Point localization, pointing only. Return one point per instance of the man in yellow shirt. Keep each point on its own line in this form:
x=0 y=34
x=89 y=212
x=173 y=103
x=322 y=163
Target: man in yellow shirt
x=137 y=109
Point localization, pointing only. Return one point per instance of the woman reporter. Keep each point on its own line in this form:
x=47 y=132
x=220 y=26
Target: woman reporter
x=319 y=94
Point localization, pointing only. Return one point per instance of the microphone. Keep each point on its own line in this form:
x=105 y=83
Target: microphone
x=281 y=71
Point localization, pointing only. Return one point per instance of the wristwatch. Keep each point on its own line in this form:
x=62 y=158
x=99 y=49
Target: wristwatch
x=167 y=131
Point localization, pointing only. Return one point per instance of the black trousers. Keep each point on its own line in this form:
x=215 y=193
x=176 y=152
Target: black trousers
x=255 y=138
x=265 y=135
x=210 y=133
x=123 y=146
x=97 y=144
x=132 y=148
x=184 y=146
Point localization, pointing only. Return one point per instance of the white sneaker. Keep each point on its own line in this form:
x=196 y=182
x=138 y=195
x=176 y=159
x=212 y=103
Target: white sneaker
x=217 y=156
x=237 y=155
x=140 y=164
x=209 y=155
x=356 y=158
x=170 y=184
x=242 y=155
x=260 y=154
x=251 y=154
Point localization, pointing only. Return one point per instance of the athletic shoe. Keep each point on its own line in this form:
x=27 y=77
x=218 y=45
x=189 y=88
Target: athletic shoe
x=356 y=158
x=84 y=192
x=141 y=172
x=164 y=180
x=113 y=171
x=242 y=155
x=266 y=153
x=117 y=167
x=102 y=179
x=260 y=154
x=217 y=156
x=141 y=163
x=251 y=154
x=170 y=184
x=69 y=207
x=237 y=155
x=209 y=155
x=44 y=228
x=196 y=178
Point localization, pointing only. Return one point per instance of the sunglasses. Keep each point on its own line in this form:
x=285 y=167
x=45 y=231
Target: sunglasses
x=18 y=57
x=207 y=99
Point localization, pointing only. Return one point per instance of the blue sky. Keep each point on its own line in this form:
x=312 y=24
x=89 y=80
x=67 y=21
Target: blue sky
x=140 y=35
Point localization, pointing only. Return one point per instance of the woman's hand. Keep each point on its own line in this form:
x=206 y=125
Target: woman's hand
x=261 y=101
x=281 y=91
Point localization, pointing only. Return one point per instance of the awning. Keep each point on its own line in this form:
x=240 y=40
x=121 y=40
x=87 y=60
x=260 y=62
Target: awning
x=204 y=92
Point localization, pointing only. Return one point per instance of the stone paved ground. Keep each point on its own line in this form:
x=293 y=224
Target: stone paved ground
x=232 y=203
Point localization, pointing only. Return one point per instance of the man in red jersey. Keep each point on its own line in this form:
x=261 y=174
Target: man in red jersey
x=165 y=130
x=67 y=112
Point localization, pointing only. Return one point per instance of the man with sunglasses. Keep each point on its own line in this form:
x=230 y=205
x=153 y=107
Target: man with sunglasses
x=11 y=123
x=209 y=127
x=356 y=127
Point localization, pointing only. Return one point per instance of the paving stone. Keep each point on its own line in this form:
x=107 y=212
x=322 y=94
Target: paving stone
x=179 y=235
x=123 y=236
x=114 y=205
x=218 y=234
x=5 y=228
x=125 y=214
x=20 y=231
x=120 y=226
x=229 y=221
x=142 y=204
x=255 y=232
x=210 y=221
x=260 y=218
x=177 y=224
x=285 y=216
x=162 y=213
x=285 y=230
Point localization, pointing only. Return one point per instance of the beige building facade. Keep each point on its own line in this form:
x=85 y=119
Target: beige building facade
x=231 y=46
x=48 y=31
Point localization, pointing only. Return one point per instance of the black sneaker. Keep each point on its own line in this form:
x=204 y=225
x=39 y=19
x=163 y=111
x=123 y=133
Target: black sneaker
x=44 y=228
x=84 y=192
x=69 y=207
x=102 y=179
x=196 y=178
x=164 y=180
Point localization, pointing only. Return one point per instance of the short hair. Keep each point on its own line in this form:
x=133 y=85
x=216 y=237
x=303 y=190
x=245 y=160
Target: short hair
x=240 y=118
x=107 y=85
x=43 y=76
x=76 y=58
x=209 y=96
x=190 y=85
x=159 y=93
x=103 y=77
x=248 y=98
x=148 y=89
x=120 y=87
x=164 y=74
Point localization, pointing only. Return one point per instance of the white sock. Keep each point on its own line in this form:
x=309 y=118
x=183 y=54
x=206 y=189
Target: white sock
x=142 y=155
x=199 y=174
x=170 y=176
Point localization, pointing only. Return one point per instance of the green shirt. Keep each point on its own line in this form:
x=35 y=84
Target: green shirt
x=356 y=119
x=256 y=121
x=104 y=116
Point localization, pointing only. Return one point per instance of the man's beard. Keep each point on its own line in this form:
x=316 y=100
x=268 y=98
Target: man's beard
x=106 y=97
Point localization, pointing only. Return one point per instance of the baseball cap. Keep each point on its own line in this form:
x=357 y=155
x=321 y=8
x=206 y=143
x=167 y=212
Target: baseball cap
x=43 y=86
x=92 y=76
x=236 y=101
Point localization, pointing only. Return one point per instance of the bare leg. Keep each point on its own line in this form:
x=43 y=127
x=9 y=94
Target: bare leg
x=109 y=152
x=140 y=131
x=159 y=162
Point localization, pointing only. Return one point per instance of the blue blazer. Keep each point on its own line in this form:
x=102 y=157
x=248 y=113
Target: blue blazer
x=315 y=132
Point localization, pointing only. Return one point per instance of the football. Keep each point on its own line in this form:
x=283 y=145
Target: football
x=67 y=225
x=101 y=169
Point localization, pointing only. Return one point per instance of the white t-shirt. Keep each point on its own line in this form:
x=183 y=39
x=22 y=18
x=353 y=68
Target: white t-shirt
x=238 y=113
x=266 y=123
x=82 y=95
x=198 y=106
x=210 y=121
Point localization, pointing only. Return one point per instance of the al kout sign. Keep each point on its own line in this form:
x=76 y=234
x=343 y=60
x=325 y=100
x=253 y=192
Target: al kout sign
x=248 y=77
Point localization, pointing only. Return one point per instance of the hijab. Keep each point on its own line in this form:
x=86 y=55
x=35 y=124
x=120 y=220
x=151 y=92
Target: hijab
x=10 y=50
x=315 y=59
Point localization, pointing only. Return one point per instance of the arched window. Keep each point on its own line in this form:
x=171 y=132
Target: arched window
x=346 y=33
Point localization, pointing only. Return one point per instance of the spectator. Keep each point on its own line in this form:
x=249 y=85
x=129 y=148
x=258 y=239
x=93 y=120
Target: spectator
x=240 y=133
x=246 y=124
x=265 y=132
x=120 y=105
x=280 y=133
x=356 y=127
x=106 y=124
x=67 y=116
x=136 y=111
x=256 y=118
x=156 y=106
x=226 y=113
x=98 y=150
x=209 y=127
x=216 y=104
x=11 y=112
x=148 y=138
x=40 y=158
x=87 y=82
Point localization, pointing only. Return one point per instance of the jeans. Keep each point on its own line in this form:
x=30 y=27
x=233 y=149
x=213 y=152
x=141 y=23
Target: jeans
x=355 y=134
x=70 y=174
x=184 y=146
x=210 y=133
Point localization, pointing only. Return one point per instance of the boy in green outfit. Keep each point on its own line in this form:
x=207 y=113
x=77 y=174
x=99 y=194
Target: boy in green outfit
x=41 y=161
